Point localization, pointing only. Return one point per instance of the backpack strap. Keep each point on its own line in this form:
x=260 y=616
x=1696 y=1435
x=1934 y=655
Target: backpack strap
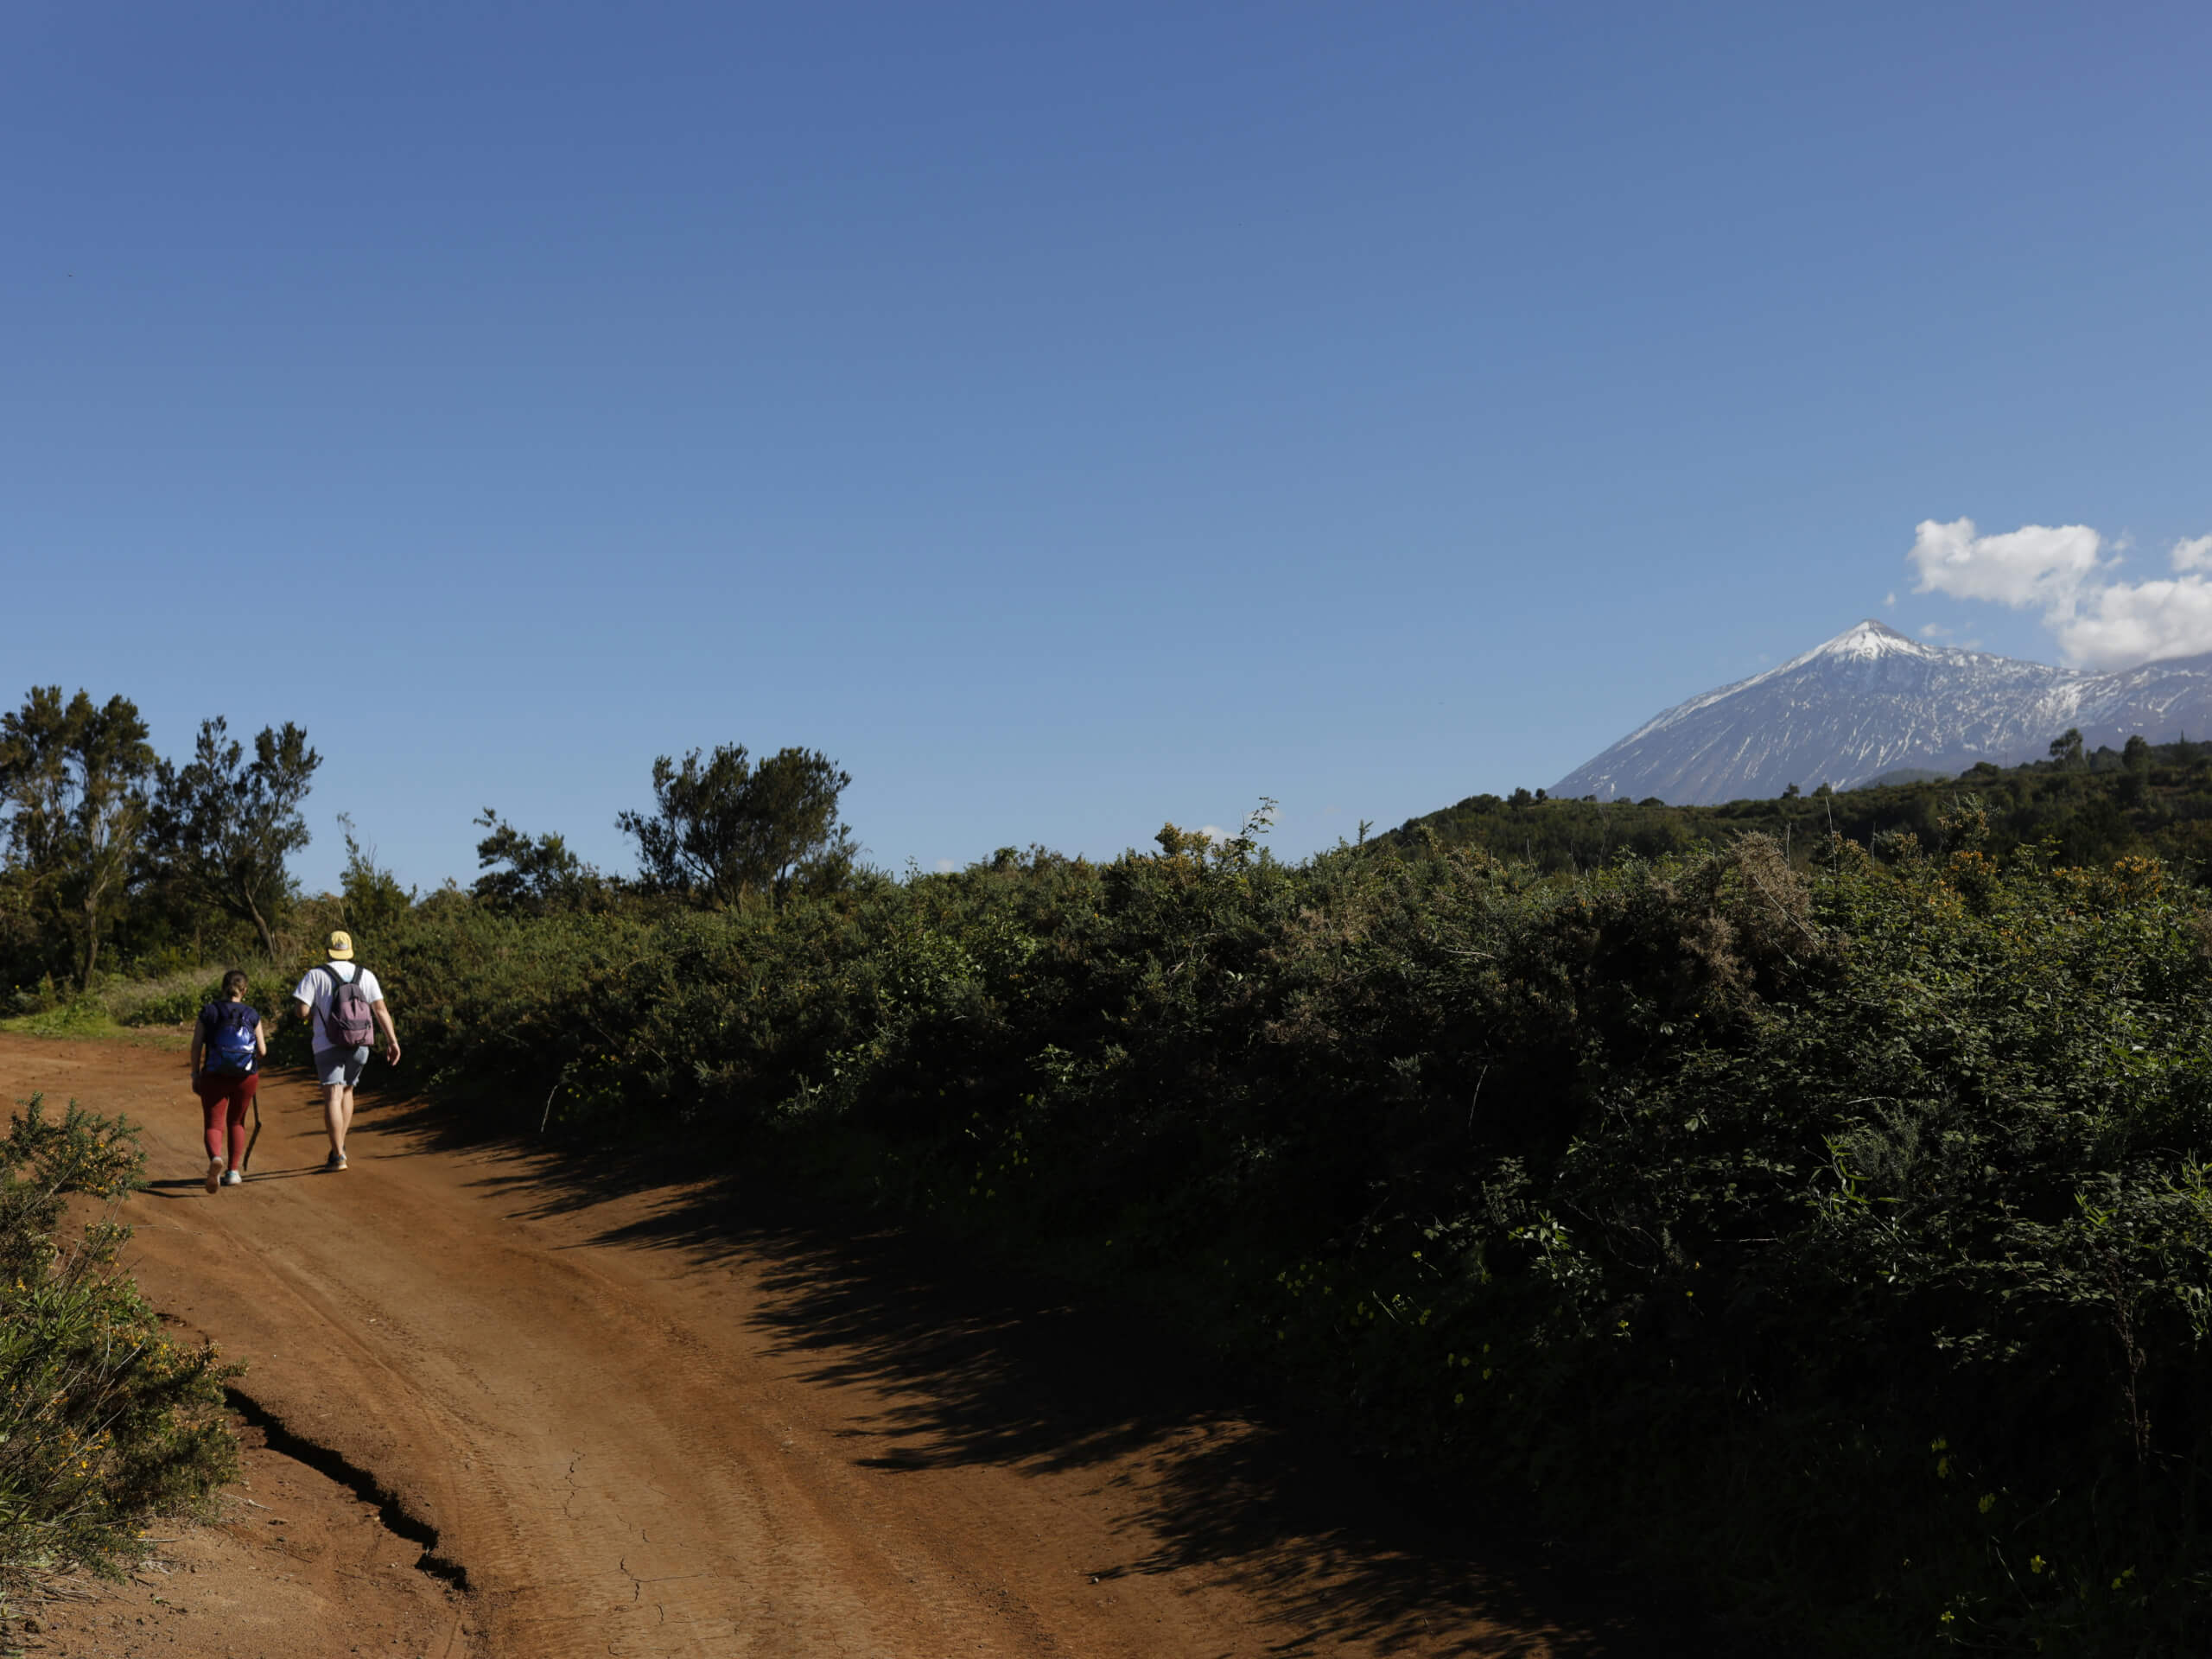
x=330 y=1007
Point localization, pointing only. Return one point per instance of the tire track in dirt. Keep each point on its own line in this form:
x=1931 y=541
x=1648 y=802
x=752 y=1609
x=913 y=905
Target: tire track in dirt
x=636 y=1441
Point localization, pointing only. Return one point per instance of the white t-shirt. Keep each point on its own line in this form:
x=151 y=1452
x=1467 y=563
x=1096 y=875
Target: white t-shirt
x=316 y=988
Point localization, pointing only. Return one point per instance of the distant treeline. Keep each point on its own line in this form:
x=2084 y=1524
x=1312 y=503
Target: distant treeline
x=112 y=855
x=2081 y=808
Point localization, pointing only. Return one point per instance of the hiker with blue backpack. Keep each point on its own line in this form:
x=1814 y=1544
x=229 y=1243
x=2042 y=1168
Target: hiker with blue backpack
x=228 y=1045
x=343 y=1004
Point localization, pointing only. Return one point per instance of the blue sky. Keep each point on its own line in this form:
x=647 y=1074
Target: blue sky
x=1070 y=418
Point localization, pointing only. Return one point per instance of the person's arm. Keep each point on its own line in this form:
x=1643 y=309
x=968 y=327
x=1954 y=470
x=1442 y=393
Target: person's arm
x=197 y=1032
x=390 y=1036
x=261 y=1039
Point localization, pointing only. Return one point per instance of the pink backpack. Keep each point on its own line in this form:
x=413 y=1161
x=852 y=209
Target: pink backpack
x=348 y=1022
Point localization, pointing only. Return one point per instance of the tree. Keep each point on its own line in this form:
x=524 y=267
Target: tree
x=72 y=777
x=2066 y=748
x=370 y=895
x=222 y=827
x=541 y=874
x=725 y=829
x=2135 y=756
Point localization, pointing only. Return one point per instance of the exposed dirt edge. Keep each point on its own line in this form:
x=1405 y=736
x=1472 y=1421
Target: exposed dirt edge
x=391 y=1510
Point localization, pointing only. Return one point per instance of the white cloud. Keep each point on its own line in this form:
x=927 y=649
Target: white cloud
x=2036 y=564
x=1934 y=631
x=2194 y=554
x=1214 y=833
x=2097 y=624
x=946 y=867
x=1889 y=601
x=2139 y=622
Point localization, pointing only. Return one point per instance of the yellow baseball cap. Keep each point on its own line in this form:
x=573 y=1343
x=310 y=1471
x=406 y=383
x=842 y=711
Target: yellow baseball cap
x=341 y=946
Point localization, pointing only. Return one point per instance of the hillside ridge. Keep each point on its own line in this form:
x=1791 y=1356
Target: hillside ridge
x=1872 y=701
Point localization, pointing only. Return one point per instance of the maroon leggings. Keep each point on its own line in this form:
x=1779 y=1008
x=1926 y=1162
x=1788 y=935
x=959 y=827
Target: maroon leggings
x=223 y=1104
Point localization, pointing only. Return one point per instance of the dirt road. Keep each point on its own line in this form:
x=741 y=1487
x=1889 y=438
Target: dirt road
x=629 y=1418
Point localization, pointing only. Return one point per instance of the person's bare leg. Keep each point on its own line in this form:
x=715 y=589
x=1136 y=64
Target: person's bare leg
x=337 y=1115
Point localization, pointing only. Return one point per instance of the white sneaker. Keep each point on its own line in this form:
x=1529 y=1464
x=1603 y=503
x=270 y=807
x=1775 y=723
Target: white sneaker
x=234 y=1177
x=214 y=1174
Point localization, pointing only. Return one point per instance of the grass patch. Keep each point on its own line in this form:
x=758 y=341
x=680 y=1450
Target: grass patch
x=157 y=1012
x=83 y=1016
x=86 y=1020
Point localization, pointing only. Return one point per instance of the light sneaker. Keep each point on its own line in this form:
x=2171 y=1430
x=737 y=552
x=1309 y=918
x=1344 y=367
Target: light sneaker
x=234 y=1177
x=214 y=1174
x=335 y=1162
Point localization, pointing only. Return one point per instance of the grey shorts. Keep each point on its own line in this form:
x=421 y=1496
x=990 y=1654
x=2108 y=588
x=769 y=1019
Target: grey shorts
x=340 y=1065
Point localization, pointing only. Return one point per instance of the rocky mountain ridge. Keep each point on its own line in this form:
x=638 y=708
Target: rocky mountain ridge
x=1872 y=701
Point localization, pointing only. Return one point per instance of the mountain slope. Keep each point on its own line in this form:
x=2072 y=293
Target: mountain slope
x=1872 y=701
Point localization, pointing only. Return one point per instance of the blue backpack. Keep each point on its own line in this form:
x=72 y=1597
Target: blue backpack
x=230 y=1037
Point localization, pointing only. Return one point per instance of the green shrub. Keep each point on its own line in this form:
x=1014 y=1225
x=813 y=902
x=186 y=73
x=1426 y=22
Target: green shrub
x=176 y=999
x=103 y=1421
x=1835 y=1240
x=173 y=1000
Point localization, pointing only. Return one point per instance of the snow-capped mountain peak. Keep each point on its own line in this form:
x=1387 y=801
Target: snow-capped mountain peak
x=1862 y=641
x=1872 y=701
x=1870 y=638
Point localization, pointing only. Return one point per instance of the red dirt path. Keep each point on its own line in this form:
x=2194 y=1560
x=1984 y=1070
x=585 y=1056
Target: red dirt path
x=631 y=1422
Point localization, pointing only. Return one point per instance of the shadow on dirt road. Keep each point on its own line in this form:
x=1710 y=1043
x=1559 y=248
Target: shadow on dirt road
x=992 y=1368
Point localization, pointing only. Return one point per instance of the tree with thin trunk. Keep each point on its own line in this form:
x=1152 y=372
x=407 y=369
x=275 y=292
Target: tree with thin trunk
x=72 y=778
x=223 y=826
x=725 y=829
x=370 y=896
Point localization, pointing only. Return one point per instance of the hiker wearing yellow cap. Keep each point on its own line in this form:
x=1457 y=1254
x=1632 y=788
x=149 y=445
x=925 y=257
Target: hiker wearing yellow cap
x=343 y=1004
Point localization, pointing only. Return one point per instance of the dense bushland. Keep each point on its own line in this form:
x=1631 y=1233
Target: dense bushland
x=1834 y=1235
x=1817 y=1216
x=103 y=1421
